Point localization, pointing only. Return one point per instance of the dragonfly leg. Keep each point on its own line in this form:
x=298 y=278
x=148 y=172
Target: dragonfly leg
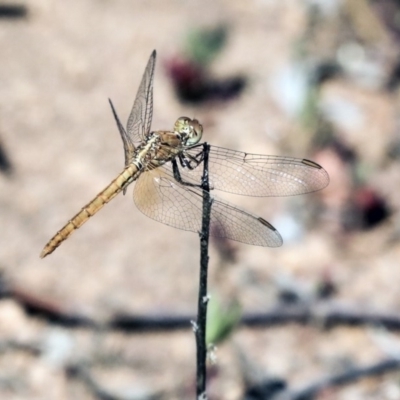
x=189 y=161
x=177 y=174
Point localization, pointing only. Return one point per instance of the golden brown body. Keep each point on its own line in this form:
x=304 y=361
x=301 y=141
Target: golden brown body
x=173 y=195
x=144 y=150
x=159 y=148
x=129 y=174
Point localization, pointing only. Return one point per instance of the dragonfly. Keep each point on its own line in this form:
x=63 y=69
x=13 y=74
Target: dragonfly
x=167 y=169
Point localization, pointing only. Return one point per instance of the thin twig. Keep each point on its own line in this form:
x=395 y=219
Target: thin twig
x=200 y=328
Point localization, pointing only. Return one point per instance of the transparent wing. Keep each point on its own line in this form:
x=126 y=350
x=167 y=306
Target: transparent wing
x=129 y=147
x=139 y=120
x=160 y=197
x=257 y=175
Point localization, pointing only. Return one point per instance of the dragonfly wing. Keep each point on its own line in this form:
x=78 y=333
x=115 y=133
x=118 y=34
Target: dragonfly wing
x=160 y=197
x=129 y=147
x=139 y=120
x=258 y=175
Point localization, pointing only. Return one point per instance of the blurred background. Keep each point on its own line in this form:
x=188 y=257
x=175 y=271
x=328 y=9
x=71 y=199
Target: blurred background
x=317 y=79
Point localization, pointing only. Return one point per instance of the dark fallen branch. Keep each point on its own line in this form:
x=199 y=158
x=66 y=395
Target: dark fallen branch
x=310 y=391
x=324 y=314
x=273 y=387
x=148 y=323
x=49 y=310
x=81 y=373
x=277 y=388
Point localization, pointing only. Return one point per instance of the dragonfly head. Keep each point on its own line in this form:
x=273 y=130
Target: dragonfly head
x=190 y=130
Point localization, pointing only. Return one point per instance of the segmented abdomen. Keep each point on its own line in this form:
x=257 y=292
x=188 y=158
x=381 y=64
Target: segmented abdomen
x=128 y=175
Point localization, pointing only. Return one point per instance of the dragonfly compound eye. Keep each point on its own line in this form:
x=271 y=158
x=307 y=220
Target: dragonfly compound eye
x=195 y=134
x=191 y=131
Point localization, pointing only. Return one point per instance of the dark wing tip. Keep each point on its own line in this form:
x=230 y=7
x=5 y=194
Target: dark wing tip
x=310 y=163
x=324 y=181
x=277 y=241
x=267 y=224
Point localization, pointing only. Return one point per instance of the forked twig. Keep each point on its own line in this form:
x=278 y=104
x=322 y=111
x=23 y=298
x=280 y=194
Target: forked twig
x=200 y=327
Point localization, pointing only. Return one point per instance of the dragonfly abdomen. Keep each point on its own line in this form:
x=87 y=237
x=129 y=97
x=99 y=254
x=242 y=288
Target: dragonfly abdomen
x=128 y=175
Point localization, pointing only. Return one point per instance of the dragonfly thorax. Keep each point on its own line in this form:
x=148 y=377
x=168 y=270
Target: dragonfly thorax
x=158 y=148
x=190 y=130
